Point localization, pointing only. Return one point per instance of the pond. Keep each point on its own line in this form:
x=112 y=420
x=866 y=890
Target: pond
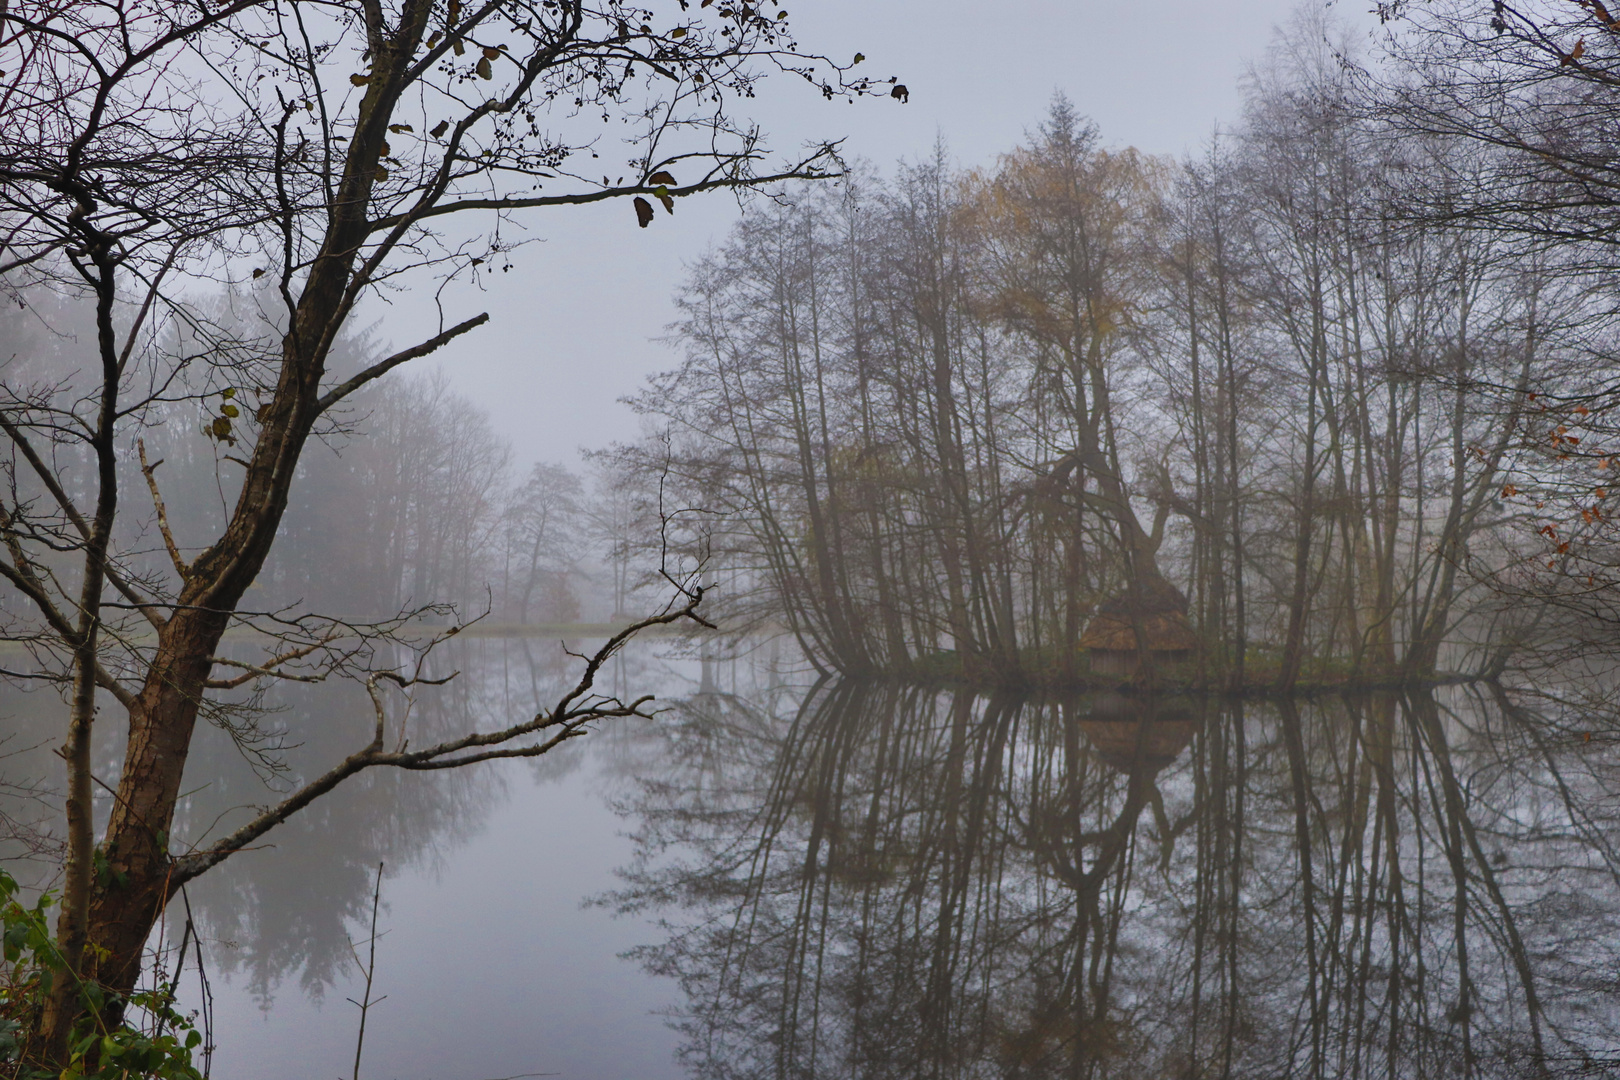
x=779 y=877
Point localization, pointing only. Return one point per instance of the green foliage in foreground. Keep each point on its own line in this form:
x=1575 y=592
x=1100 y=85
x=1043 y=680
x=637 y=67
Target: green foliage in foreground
x=100 y=1047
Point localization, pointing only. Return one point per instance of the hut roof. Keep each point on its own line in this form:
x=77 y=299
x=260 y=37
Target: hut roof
x=1152 y=595
x=1165 y=631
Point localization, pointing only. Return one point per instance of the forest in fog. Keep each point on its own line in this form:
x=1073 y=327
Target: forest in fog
x=958 y=406
x=411 y=502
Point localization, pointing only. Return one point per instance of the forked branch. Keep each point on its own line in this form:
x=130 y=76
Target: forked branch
x=272 y=668
x=574 y=712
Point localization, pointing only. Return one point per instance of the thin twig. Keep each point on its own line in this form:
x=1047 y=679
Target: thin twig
x=207 y=992
x=180 y=964
x=365 y=1003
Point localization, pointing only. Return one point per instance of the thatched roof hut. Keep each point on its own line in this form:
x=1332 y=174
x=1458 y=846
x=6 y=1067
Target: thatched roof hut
x=1132 y=733
x=1159 y=609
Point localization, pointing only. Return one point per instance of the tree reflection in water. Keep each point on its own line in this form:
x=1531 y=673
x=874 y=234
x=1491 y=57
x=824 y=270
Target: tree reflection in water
x=289 y=909
x=292 y=910
x=894 y=882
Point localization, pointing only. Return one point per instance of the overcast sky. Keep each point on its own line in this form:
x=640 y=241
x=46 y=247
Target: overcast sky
x=574 y=324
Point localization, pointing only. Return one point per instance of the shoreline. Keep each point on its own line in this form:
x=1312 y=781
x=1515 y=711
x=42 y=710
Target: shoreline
x=1169 y=686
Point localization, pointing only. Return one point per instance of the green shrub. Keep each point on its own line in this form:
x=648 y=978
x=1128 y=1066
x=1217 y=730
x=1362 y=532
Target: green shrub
x=97 y=1050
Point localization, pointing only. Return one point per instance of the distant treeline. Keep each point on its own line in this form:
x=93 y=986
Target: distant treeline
x=412 y=502
x=956 y=409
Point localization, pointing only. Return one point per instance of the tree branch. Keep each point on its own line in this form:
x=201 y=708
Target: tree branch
x=142 y=604
x=148 y=470
x=382 y=367
x=566 y=719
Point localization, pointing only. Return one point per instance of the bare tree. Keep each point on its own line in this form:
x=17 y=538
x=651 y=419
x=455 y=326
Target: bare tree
x=1532 y=92
x=543 y=534
x=332 y=150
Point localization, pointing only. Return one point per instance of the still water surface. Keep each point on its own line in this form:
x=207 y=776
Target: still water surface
x=783 y=879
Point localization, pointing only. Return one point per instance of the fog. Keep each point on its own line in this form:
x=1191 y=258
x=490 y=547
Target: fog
x=886 y=541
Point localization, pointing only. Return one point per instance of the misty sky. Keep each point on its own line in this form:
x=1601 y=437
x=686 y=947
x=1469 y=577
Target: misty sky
x=575 y=323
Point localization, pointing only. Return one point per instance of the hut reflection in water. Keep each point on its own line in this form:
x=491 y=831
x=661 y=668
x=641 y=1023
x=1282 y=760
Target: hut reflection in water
x=1133 y=732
